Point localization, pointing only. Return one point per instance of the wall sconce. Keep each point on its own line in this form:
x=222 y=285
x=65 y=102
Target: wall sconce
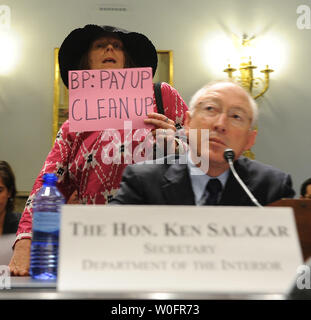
x=238 y=50
x=246 y=77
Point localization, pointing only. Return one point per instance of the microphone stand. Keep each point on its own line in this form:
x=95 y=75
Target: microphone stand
x=229 y=156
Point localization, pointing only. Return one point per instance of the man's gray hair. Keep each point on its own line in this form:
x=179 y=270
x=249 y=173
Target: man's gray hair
x=201 y=92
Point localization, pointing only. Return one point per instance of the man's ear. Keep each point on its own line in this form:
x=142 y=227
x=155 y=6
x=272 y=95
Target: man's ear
x=187 y=122
x=251 y=139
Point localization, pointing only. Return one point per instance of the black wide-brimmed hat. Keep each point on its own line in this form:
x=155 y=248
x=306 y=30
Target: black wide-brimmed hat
x=138 y=46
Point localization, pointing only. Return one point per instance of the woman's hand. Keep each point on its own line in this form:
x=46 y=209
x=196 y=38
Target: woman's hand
x=163 y=133
x=74 y=198
x=20 y=261
x=160 y=121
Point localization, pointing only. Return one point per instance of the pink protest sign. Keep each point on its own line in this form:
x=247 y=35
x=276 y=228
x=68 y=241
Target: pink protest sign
x=102 y=99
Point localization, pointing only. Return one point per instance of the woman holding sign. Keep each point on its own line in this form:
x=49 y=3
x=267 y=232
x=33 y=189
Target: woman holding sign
x=91 y=163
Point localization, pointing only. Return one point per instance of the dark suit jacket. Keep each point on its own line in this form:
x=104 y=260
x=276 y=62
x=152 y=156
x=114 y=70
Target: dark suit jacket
x=170 y=184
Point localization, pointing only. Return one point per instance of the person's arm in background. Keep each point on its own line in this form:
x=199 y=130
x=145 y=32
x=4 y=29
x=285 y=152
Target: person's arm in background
x=56 y=162
x=174 y=106
x=175 y=110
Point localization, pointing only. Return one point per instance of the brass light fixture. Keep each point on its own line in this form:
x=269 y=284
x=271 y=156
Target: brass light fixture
x=246 y=77
x=255 y=86
x=247 y=80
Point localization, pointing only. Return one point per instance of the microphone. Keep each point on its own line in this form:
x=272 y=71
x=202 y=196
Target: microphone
x=229 y=157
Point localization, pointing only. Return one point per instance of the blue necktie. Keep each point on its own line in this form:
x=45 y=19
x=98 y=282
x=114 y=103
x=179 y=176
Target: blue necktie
x=214 y=188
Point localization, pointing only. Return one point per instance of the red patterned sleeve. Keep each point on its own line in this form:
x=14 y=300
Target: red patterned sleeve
x=56 y=162
x=174 y=106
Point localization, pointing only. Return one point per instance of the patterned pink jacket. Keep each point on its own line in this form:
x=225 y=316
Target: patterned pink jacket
x=80 y=160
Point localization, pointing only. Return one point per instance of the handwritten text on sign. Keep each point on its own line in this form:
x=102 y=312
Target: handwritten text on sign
x=102 y=99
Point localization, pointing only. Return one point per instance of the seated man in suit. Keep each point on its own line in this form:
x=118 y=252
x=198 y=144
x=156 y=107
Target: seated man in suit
x=230 y=114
